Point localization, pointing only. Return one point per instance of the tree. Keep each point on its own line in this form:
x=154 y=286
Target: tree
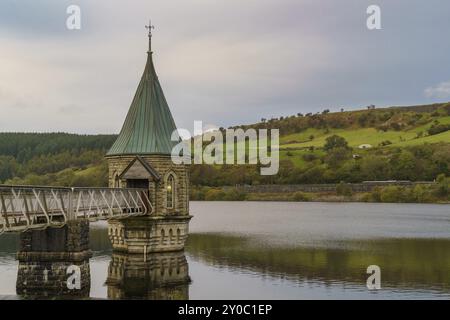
x=8 y=167
x=335 y=141
x=374 y=168
x=404 y=166
x=438 y=128
x=391 y=194
x=443 y=185
x=336 y=156
x=343 y=189
x=385 y=143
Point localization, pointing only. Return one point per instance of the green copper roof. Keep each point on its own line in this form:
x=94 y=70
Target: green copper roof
x=149 y=124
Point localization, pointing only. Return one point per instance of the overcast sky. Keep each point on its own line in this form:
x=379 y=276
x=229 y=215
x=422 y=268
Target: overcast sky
x=223 y=62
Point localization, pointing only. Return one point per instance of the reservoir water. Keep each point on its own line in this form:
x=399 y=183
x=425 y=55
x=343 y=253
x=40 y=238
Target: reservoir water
x=277 y=250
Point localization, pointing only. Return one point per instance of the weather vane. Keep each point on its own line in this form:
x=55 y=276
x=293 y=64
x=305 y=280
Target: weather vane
x=150 y=27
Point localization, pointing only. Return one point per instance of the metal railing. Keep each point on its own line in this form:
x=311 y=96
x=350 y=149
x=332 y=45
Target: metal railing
x=27 y=207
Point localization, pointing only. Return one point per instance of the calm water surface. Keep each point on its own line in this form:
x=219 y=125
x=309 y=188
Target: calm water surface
x=277 y=250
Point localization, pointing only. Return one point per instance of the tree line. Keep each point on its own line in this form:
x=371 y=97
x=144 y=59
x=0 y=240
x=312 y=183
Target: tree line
x=338 y=163
x=52 y=158
x=382 y=119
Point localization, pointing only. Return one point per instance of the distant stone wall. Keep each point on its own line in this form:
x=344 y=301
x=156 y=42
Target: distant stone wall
x=356 y=187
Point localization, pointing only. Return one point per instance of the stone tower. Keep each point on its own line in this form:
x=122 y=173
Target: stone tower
x=141 y=158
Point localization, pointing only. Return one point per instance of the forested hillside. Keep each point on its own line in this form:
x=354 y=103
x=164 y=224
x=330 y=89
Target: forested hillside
x=53 y=159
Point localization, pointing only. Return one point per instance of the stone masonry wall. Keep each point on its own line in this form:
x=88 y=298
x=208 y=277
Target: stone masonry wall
x=49 y=279
x=73 y=237
x=163 y=165
x=45 y=256
x=147 y=234
x=356 y=187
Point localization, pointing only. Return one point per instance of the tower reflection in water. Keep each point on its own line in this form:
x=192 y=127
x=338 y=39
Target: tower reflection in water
x=156 y=276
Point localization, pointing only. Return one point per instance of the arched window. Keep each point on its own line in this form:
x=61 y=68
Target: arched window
x=178 y=236
x=170 y=188
x=116 y=181
x=163 y=236
x=170 y=236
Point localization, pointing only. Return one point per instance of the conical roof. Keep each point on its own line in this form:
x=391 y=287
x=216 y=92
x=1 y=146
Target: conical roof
x=149 y=124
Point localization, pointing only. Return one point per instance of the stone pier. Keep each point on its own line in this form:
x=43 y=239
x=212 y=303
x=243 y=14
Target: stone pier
x=50 y=258
x=144 y=235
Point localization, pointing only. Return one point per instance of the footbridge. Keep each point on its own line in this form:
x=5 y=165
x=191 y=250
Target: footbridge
x=25 y=208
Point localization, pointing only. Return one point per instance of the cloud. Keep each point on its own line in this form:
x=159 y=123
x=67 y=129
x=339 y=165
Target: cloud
x=442 y=90
x=222 y=62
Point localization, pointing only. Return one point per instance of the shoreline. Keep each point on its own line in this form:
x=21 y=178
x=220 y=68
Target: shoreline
x=342 y=193
x=322 y=200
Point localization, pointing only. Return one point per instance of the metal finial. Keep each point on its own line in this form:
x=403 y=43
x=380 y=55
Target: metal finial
x=150 y=27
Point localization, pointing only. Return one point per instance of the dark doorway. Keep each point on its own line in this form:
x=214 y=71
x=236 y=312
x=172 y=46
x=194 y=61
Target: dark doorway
x=141 y=184
x=137 y=183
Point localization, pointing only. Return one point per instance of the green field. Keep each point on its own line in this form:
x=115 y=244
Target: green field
x=310 y=141
x=372 y=136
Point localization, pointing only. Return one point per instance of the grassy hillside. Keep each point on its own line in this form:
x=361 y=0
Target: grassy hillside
x=373 y=136
x=408 y=143
x=356 y=137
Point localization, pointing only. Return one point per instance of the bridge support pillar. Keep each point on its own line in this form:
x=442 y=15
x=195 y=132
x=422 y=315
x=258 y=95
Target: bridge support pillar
x=55 y=262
